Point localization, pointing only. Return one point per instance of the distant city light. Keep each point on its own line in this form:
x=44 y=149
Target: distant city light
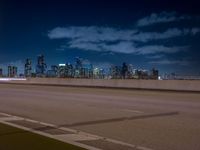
x=12 y=79
x=62 y=65
x=4 y=79
x=78 y=70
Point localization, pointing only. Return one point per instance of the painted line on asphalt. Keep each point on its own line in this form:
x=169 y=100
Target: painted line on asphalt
x=68 y=138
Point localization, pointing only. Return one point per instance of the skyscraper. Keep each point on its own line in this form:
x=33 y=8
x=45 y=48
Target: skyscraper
x=1 y=72
x=78 y=67
x=154 y=74
x=69 y=70
x=28 y=68
x=124 y=70
x=41 y=66
x=115 y=72
x=62 y=70
x=12 y=71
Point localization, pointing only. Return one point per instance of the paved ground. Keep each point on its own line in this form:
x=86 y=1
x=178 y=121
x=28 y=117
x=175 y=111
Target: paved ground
x=12 y=138
x=156 y=120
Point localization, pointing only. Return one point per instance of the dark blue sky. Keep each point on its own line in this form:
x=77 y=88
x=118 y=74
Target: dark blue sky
x=164 y=34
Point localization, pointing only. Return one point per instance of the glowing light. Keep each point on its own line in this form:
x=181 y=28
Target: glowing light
x=12 y=79
x=62 y=65
x=159 y=78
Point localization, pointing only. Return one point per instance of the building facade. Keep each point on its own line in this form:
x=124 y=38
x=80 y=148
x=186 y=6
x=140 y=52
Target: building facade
x=12 y=71
x=41 y=66
x=28 y=68
x=1 y=72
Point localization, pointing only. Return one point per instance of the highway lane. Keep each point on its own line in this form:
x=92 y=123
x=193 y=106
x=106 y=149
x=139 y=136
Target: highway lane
x=112 y=113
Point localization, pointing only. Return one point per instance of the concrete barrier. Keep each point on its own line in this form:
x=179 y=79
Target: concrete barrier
x=173 y=85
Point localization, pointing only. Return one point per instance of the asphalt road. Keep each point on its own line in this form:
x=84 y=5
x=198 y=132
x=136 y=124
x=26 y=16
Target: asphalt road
x=153 y=119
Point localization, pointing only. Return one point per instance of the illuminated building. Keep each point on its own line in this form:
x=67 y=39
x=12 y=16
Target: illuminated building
x=28 y=68
x=124 y=70
x=53 y=72
x=41 y=66
x=1 y=72
x=69 y=70
x=115 y=72
x=154 y=74
x=12 y=71
x=61 y=70
x=78 y=68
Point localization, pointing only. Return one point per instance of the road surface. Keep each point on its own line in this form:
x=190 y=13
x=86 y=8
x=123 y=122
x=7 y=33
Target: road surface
x=153 y=119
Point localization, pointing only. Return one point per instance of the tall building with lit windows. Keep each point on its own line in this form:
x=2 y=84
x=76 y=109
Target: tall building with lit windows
x=1 y=72
x=12 y=71
x=41 y=66
x=28 y=68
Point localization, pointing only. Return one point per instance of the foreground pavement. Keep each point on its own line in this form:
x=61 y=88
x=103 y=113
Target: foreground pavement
x=12 y=138
x=145 y=119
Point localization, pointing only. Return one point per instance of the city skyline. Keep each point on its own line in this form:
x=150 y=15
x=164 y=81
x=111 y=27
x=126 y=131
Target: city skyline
x=80 y=68
x=160 y=34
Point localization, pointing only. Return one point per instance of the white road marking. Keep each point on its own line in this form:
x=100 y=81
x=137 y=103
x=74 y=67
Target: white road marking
x=68 y=138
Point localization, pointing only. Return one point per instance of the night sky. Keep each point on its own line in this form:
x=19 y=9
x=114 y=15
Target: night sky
x=163 y=34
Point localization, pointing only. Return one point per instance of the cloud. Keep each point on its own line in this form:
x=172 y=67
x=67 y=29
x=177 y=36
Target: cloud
x=151 y=49
x=91 y=33
x=117 y=40
x=163 y=17
x=195 y=30
x=171 y=62
x=169 y=33
x=84 y=45
x=127 y=41
x=101 y=34
x=149 y=36
x=155 y=56
x=126 y=47
x=60 y=49
x=120 y=47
